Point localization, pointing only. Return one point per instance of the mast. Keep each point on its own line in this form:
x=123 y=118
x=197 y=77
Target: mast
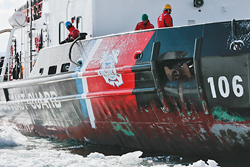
x=31 y=35
x=18 y=20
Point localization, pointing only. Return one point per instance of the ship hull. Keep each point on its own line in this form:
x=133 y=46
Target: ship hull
x=180 y=90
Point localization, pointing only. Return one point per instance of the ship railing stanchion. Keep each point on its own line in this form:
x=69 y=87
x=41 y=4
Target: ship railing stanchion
x=7 y=55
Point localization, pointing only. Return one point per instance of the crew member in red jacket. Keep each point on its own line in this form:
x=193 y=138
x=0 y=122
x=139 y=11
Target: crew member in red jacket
x=145 y=24
x=73 y=33
x=165 y=19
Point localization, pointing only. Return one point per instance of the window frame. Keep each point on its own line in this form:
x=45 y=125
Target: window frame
x=61 y=31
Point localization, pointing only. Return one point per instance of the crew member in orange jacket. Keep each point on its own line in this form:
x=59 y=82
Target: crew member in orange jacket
x=73 y=33
x=165 y=19
x=145 y=24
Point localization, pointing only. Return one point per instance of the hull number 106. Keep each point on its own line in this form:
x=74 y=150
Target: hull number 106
x=224 y=88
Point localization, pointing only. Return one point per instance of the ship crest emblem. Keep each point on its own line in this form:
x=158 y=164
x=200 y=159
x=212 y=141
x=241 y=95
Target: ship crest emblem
x=108 y=70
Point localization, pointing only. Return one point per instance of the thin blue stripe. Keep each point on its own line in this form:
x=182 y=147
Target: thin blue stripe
x=79 y=83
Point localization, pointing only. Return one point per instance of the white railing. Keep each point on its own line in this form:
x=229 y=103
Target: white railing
x=12 y=65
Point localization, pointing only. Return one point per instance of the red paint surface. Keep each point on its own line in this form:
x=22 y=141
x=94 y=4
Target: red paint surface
x=127 y=45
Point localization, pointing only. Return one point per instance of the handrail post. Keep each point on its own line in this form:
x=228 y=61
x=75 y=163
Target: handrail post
x=7 y=54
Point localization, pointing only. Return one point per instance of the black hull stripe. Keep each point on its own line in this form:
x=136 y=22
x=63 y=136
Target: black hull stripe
x=144 y=91
x=140 y=68
x=83 y=96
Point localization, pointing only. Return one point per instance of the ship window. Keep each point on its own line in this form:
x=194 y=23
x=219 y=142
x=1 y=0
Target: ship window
x=39 y=8
x=52 y=70
x=61 y=31
x=65 y=67
x=79 y=23
x=41 y=71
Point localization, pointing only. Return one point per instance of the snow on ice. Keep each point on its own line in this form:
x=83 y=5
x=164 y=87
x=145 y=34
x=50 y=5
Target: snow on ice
x=10 y=137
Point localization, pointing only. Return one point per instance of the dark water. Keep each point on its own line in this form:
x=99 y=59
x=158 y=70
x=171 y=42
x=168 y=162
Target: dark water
x=18 y=150
x=158 y=158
